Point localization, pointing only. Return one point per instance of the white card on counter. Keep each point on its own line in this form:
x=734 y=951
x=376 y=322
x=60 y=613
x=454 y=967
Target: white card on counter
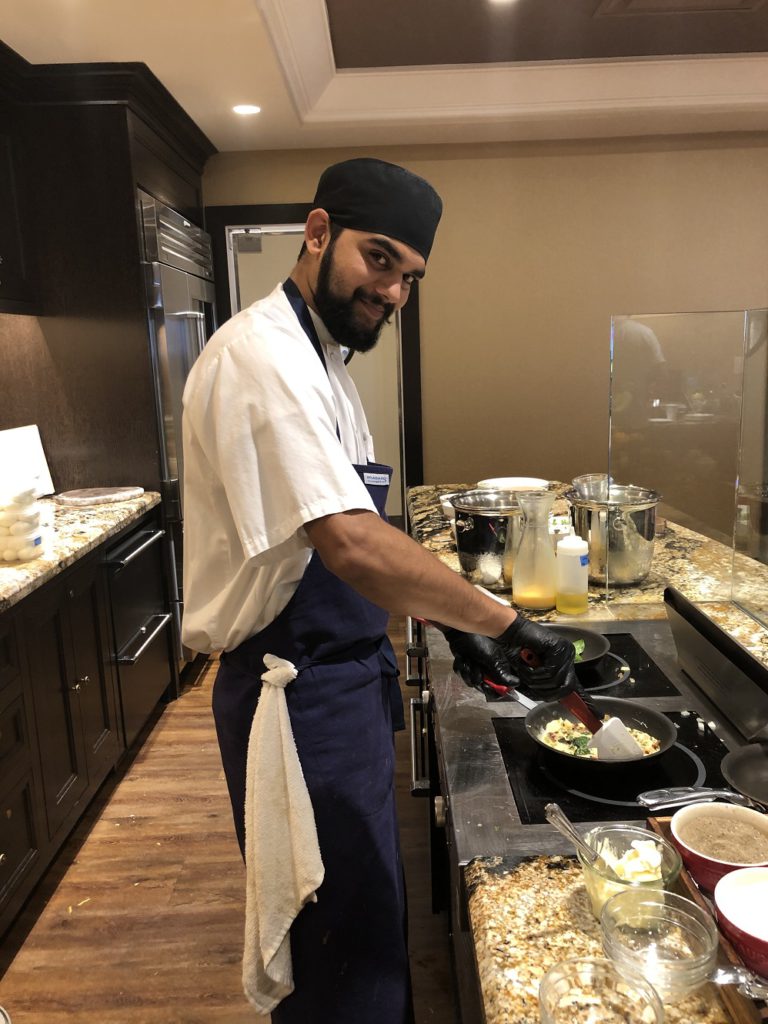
x=23 y=464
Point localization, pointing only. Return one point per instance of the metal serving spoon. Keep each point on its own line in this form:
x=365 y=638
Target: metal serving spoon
x=556 y=817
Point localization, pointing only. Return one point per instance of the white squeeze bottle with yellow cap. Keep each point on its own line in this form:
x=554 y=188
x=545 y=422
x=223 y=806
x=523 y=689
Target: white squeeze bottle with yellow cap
x=572 y=575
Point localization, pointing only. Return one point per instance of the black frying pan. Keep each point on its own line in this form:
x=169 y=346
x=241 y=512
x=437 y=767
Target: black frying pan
x=746 y=770
x=633 y=715
x=596 y=646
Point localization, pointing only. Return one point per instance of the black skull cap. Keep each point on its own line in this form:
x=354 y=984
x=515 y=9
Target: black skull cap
x=366 y=194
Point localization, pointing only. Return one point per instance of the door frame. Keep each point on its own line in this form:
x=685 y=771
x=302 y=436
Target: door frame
x=219 y=218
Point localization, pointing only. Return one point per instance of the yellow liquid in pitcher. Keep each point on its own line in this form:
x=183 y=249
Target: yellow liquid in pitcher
x=536 y=600
x=571 y=604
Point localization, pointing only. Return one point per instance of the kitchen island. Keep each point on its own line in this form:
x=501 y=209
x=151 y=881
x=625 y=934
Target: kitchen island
x=503 y=861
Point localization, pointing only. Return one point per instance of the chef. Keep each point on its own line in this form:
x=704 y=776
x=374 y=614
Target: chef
x=289 y=558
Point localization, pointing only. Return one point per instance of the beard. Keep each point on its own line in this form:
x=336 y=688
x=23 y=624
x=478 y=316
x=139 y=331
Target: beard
x=345 y=323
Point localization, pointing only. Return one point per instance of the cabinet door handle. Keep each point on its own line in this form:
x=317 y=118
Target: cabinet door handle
x=145 y=636
x=3 y=857
x=80 y=683
x=120 y=563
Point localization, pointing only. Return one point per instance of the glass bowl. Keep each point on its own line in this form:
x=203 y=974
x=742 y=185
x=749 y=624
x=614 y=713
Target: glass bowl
x=661 y=937
x=592 y=991
x=614 y=842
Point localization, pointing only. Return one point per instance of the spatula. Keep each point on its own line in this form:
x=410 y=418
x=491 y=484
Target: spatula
x=612 y=740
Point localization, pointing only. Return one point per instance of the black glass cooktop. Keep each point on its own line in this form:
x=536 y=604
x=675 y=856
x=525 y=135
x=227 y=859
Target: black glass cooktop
x=627 y=670
x=589 y=793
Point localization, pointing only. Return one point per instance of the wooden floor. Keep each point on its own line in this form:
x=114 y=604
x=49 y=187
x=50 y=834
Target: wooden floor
x=144 y=912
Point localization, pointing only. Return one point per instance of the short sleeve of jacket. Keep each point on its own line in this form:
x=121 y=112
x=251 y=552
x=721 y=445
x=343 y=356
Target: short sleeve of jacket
x=261 y=408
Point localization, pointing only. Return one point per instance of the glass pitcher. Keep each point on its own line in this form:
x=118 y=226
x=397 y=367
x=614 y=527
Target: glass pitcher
x=534 y=577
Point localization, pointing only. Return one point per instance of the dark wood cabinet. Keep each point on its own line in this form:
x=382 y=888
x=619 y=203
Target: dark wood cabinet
x=45 y=621
x=90 y=135
x=66 y=637
x=20 y=843
x=92 y=670
x=16 y=289
x=84 y=661
x=22 y=831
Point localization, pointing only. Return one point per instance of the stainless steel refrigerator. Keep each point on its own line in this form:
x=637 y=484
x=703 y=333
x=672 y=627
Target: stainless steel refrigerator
x=180 y=307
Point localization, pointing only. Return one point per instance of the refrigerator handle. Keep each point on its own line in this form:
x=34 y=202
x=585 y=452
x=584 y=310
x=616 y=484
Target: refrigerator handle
x=194 y=324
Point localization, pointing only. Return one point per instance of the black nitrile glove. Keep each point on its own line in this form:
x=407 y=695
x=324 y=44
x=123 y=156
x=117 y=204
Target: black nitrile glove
x=526 y=656
x=481 y=663
x=542 y=659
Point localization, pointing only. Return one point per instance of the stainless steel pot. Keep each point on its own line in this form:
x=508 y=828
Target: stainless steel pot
x=620 y=532
x=488 y=531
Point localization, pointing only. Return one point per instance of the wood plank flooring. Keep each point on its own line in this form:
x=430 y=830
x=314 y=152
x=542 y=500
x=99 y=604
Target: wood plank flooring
x=140 y=919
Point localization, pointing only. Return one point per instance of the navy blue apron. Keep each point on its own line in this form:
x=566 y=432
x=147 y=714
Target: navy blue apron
x=349 y=950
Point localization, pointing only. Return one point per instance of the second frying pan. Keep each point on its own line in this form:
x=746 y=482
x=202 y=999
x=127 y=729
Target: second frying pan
x=746 y=769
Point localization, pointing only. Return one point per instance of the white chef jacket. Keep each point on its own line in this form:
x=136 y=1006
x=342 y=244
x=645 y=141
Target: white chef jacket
x=261 y=459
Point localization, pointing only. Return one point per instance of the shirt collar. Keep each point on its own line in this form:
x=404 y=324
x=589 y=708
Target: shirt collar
x=322 y=331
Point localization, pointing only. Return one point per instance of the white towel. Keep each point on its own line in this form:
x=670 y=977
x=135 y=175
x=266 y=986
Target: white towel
x=282 y=855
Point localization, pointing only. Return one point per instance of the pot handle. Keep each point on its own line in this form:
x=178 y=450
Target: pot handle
x=682 y=796
x=463 y=525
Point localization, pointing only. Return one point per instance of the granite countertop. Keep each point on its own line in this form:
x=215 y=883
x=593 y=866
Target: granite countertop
x=525 y=918
x=702 y=569
x=69 y=534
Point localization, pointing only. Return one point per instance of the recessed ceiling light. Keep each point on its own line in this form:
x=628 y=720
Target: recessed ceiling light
x=246 y=108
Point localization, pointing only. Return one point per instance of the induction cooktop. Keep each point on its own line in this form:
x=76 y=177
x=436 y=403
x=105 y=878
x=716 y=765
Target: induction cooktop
x=587 y=792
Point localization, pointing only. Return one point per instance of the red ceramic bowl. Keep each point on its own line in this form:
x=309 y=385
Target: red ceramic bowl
x=705 y=869
x=741 y=903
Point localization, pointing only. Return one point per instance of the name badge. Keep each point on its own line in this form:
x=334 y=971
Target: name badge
x=376 y=479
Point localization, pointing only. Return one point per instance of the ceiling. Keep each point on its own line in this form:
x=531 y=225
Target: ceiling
x=366 y=72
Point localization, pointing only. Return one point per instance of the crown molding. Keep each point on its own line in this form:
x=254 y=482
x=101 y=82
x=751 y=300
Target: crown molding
x=567 y=98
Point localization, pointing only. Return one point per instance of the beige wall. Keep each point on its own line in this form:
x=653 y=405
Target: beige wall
x=539 y=244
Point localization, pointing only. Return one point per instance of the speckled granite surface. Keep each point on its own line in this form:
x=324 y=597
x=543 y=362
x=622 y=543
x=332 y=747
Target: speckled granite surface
x=699 y=567
x=528 y=917
x=72 y=533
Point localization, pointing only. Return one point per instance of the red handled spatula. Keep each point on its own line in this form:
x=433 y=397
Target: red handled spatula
x=612 y=740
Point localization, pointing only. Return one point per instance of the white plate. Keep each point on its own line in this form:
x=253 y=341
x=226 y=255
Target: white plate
x=514 y=483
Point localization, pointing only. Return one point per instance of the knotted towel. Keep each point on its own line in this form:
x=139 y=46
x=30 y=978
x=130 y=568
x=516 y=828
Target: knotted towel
x=282 y=856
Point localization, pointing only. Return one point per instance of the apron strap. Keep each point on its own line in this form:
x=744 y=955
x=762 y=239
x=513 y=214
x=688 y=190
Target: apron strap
x=304 y=317
x=301 y=310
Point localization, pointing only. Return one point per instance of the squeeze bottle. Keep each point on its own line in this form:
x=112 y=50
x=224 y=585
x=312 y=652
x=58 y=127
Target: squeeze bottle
x=572 y=575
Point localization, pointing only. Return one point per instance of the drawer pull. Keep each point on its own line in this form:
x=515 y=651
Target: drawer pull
x=131 y=653
x=120 y=563
x=3 y=857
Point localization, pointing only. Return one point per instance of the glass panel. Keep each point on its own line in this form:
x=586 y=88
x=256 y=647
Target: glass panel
x=676 y=397
x=750 y=577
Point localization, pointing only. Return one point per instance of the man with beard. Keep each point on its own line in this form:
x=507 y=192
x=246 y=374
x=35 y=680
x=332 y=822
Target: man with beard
x=288 y=554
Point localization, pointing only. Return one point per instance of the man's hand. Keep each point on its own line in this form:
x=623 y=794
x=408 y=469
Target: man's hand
x=525 y=656
x=542 y=659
